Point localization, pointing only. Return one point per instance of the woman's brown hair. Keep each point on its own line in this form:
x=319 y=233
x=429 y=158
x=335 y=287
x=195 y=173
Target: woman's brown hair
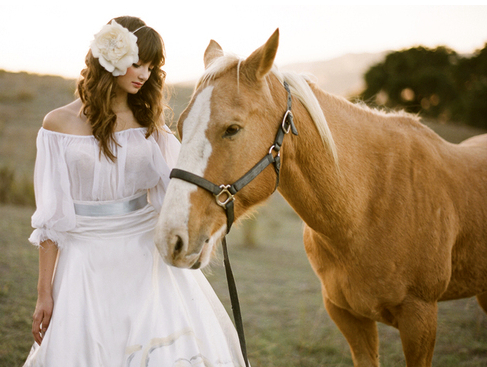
x=96 y=88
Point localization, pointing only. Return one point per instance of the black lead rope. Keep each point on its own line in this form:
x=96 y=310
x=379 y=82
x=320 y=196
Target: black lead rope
x=232 y=290
x=227 y=203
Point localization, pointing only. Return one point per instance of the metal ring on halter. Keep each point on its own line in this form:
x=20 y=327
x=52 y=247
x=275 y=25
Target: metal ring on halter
x=288 y=112
x=274 y=148
x=230 y=197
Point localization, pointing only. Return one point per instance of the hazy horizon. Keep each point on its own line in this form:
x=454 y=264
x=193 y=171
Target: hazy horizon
x=52 y=37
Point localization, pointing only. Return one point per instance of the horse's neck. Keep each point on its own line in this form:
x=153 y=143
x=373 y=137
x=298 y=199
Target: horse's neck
x=312 y=183
x=332 y=198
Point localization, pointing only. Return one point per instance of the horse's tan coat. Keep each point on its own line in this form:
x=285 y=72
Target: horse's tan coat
x=397 y=224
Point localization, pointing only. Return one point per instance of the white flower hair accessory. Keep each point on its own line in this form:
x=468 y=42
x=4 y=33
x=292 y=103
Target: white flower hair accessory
x=115 y=47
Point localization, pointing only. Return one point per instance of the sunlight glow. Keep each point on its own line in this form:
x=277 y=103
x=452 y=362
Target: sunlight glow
x=53 y=36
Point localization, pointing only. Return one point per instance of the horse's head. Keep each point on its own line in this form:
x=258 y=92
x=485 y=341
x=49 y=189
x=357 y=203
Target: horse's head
x=228 y=126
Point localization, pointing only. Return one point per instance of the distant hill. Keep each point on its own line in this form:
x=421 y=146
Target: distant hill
x=180 y=94
x=24 y=101
x=342 y=75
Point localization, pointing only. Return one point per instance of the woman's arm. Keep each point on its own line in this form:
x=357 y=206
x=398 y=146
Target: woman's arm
x=42 y=314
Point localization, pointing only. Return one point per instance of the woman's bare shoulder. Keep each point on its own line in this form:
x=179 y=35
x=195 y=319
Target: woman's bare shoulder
x=67 y=119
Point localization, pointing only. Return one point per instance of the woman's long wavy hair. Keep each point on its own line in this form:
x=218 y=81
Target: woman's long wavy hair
x=96 y=89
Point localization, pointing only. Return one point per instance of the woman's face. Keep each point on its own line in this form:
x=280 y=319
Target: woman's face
x=135 y=77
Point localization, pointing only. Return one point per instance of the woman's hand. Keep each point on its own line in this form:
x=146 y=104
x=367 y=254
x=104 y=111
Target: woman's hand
x=42 y=317
x=45 y=303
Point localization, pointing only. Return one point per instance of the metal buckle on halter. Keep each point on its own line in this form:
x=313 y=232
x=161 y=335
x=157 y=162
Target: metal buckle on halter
x=229 y=198
x=288 y=112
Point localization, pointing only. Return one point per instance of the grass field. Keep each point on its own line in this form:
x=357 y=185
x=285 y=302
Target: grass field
x=284 y=318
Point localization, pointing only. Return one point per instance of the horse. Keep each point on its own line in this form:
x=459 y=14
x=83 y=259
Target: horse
x=395 y=217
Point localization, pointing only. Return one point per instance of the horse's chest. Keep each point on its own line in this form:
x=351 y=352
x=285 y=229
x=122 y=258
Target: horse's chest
x=343 y=292
x=361 y=300
x=360 y=289
x=365 y=285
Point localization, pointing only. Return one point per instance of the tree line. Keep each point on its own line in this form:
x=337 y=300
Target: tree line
x=437 y=83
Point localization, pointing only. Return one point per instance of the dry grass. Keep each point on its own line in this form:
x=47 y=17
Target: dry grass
x=18 y=274
x=22 y=116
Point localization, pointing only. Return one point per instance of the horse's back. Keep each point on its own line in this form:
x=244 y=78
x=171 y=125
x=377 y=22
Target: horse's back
x=473 y=161
x=476 y=142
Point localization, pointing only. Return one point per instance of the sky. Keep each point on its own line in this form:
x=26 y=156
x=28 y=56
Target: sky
x=53 y=36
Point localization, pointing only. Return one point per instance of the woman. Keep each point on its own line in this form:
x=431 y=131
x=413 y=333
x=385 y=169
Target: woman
x=105 y=298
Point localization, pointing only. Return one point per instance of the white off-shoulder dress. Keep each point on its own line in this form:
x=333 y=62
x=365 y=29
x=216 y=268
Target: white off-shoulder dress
x=116 y=303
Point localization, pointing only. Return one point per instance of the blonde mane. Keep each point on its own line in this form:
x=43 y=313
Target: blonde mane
x=217 y=67
x=299 y=88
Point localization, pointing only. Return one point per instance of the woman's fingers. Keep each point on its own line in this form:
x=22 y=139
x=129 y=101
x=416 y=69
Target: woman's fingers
x=36 y=327
x=45 y=323
x=40 y=323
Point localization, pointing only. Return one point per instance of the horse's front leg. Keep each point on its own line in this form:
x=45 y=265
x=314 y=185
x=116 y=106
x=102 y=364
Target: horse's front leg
x=361 y=334
x=416 y=321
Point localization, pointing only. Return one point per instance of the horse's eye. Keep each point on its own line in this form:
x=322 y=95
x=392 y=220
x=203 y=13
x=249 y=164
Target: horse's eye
x=231 y=130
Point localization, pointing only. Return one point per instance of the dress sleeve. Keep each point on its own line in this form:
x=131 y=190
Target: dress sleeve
x=164 y=161
x=54 y=213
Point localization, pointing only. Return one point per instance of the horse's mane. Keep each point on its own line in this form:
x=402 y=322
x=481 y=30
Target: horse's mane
x=217 y=67
x=299 y=88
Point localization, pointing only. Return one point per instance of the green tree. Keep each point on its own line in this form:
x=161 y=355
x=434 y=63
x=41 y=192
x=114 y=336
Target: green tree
x=418 y=80
x=471 y=83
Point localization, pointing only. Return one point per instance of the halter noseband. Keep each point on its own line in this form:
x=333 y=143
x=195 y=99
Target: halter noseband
x=229 y=191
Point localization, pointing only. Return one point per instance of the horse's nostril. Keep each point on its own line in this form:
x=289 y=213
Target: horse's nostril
x=178 y=246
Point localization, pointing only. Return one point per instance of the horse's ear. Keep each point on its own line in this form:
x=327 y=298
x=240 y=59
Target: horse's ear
x=212 y=52
x=260 y=62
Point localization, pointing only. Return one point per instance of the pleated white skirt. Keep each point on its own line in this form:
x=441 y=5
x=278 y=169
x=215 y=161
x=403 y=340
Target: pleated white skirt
x=117 y=304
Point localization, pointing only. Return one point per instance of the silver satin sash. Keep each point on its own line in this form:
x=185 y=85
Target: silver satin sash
x=109 y=209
